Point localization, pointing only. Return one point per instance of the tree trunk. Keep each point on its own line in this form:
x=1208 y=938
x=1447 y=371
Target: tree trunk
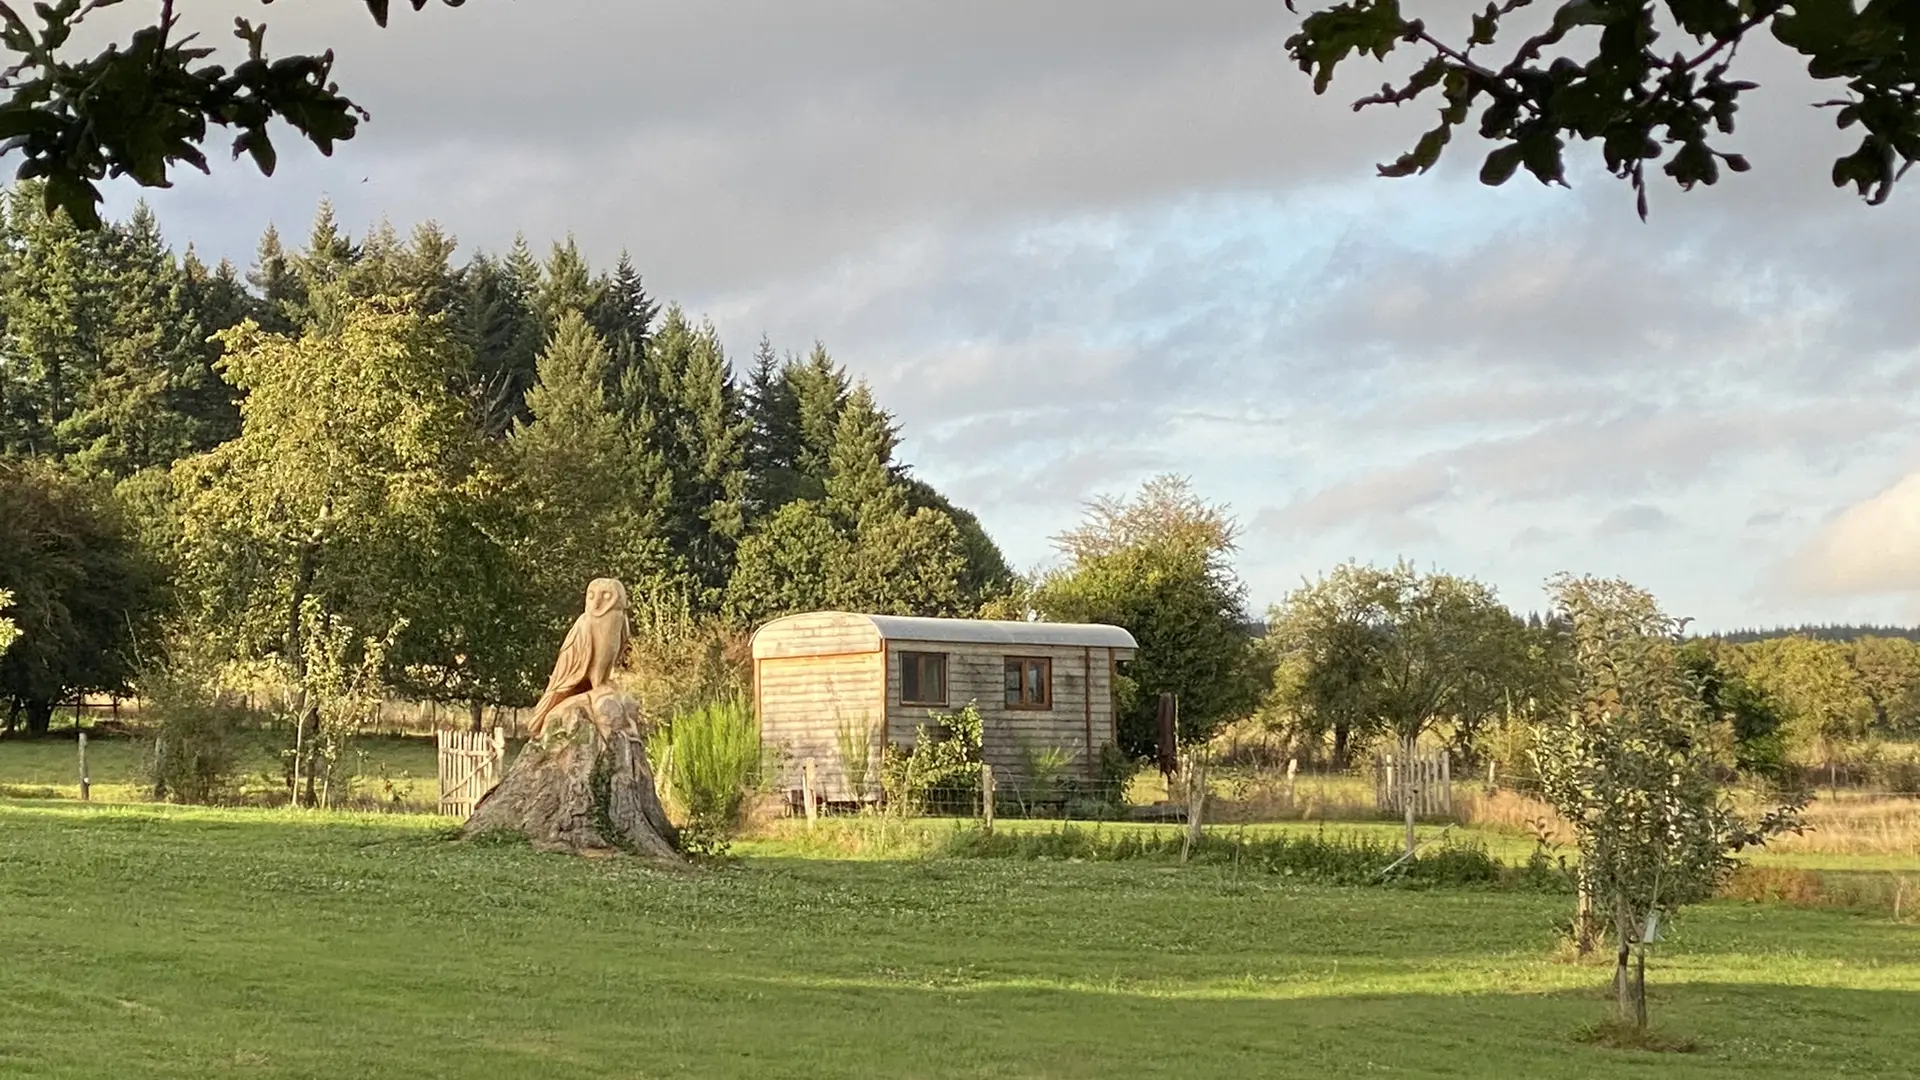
x=583 y=786
x=476 y=713
x=1407 y=787
x=39 y=718
x=1342 y=736
x=1629 y=994
x=1583 y=926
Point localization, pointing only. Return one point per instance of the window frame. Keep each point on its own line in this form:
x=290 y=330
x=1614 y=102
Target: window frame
x=918 y=656
x=1046 y=683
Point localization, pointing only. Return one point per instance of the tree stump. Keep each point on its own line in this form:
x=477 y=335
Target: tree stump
x=583 y=786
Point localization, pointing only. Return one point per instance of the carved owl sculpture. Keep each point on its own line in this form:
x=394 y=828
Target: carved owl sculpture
x=594 y=645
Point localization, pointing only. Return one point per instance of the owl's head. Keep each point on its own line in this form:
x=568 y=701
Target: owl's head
x=604 y=595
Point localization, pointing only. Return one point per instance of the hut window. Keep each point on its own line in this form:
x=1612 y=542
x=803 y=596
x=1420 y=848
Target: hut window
x=1029 y=683
x=923 y=678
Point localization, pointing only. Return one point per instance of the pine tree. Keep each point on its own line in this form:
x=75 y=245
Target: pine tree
x=491 y=316
x=624 y=316
x=425 y=268
x=524 y=268
x=566 y=285
x=624 y=313
x=700 y=433
x=568 y=402
x=53 y=302
x=861 y=487
x=325 y=267
x=217 y=300
x=283 y=300
x=588 y=493
x=135 y=411
x=773 y=478
x=329 y=253
x=820 y=389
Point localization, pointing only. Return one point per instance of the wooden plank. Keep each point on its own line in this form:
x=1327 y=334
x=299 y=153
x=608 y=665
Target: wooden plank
x=1086 y=698
x=1113 y=714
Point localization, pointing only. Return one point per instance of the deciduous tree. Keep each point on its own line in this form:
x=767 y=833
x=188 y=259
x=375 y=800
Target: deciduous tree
x=1398 y=653
x=85 y=597
x=1626 y=768
x=1156 y=564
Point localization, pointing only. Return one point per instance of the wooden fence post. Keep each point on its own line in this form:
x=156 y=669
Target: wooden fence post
x=1293 y=766
x=1446 y=782
x=86 y=784
x=986 y=798
x=807 y=789
x=499 y=752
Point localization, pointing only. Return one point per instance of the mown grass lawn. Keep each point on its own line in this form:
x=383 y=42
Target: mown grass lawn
x=154 y=942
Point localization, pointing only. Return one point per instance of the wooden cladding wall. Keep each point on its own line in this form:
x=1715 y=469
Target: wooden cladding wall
x=803 y=702
x=977 y=673
x=822 y=634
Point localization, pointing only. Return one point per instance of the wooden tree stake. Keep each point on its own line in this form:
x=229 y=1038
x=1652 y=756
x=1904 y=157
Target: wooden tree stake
x=1196 y=805
x=807 y=789
x=86 y=784
x=986 y=798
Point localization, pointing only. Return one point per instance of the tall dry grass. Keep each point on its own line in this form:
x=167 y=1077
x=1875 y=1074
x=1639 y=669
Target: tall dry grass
x=1850 y=823
x=1857 y=824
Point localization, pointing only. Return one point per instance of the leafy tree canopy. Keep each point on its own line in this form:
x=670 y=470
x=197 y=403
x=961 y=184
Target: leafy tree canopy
x=84 y=594
x=1157 y=564
x=1604 y=71
x=1367 y=652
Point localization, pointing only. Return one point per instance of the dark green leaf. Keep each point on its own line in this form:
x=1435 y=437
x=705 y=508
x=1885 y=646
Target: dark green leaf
x=1499 y=166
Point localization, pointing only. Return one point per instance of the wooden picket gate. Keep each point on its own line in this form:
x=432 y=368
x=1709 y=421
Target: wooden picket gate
x=470 y=764
x=1427 y=779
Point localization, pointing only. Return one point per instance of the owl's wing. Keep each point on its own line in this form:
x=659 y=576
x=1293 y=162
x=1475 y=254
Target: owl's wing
x=569 y=671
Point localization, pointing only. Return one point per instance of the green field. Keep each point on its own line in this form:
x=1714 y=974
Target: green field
x=146 y=941
x=394 y=770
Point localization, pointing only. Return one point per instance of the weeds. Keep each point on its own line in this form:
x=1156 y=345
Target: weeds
x=1616 y=1035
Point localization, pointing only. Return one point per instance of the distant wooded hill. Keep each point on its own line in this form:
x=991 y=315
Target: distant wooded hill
x=1834 y=632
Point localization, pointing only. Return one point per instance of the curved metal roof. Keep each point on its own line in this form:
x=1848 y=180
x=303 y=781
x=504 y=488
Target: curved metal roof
x=991 y=632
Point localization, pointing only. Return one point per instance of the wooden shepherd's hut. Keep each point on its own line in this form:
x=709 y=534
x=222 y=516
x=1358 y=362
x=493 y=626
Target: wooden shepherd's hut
x=824 y=679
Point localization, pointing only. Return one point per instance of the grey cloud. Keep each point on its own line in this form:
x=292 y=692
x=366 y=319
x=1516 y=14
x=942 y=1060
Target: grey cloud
x=1637 y=518
x=1533 y=536
x=733 y=143
x=1384 y=496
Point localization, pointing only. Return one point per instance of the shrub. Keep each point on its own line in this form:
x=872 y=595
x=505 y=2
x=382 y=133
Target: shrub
x=941 y=771
x=709 y=760
x=677 y=662
x=198 y=737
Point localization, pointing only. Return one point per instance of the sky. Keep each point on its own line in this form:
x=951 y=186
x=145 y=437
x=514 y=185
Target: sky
x=1075 y=244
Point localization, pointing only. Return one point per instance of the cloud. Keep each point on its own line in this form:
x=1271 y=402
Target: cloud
x=1389 y=495
x=1871 y=548
x=1637 y=518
